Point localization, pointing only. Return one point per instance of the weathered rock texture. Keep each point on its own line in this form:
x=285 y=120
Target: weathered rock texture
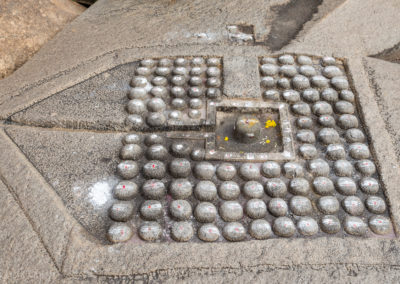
x=28 y=24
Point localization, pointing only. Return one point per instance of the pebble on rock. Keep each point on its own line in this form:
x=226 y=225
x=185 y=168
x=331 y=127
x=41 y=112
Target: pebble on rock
x=182 y=231
x=329 y=95
x=205 y=212
x=354 y=135
x=306 y=136
x=151 y=209
x=344 y=107
x=131 y=139
x=277 y=207
x=299 y=186
x=322 y=108
x=208 y=233
x=119 y=232
x=307 y=226
x=128 y=169
x=226 y=171
x=355 y=226
x=275 y=187
x=153 y=189
x=180 y=168
x=131 y=152
x=346 y=186
x=180 y=209
x=229 y=190
x=327 y=121
x=231 y=211
x=310 y=95
x=250 y=171
x=335 y=152
x=307 y=70
x=369 y=185
x=366 y=167
x=380 y=225
x=271 y=169
x=253 y=189
x=180 y=149
x=300 y=205
x=343 y=168
x=180 y=188
x=153 y=139
x=204 y=170
x=288 y=70
x=293 y=169
x=304 y=122
x=154 y=169
x=197 y=154
x=304 y=60
x=359 y=151
x=134 y=121
x=234 y=232
x=156 y=119
x=284 y=227
x=308 y=151
x=319 y=167
x=136 y=106
x=256 y=208
x=375 y=204
x=328 y=136
x=323 y=186
x=291 y=96
x=125 y=190
x=205 y=191
x=328 y=205
x=156 y=152
x=260 y=229
x=353 y=205
x=330 y=224
x=121 y=211
x=347 y=121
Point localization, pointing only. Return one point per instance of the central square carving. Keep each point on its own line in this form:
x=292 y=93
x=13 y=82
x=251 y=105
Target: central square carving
x=250 y=131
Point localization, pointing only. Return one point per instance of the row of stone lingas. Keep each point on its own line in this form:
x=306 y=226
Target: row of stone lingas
x=126 y=190
x=324 y=86
x=172 y=90
x=231 y=211
x=283 y=77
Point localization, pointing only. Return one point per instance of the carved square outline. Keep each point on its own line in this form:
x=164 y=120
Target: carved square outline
x=288 y=152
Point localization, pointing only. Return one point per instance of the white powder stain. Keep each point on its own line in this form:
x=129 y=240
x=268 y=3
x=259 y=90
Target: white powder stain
x=99 y=193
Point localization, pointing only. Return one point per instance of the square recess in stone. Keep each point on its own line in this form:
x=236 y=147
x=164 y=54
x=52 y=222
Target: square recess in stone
x=275 y=142
x=320 y=181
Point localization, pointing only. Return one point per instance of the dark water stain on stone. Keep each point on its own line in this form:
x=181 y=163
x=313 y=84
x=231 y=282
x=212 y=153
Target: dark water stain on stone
x=391 y=54
x=289 y=21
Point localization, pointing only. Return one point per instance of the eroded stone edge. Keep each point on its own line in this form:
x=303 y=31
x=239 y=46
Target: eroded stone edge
x=379 y=139
x=131 y=258
x=44 y=208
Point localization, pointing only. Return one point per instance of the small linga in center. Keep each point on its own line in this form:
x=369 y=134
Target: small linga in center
x=247 y=128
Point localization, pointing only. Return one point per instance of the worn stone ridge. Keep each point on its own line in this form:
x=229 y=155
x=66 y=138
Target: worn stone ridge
x=189 y=193
x=97 y=103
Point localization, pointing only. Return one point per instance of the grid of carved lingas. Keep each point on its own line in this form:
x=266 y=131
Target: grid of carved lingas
x=171 y=190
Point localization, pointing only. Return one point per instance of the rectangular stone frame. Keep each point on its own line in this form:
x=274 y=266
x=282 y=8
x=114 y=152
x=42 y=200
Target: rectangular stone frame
x=78 y=254
x=288 y=152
